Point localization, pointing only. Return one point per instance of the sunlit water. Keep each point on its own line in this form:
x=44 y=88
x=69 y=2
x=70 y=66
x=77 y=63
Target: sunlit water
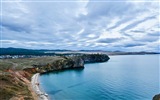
x=128 y=77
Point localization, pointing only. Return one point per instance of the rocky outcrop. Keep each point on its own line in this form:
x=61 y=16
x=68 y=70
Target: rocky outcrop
x=77 y=62
x=156 y=97
x=94 y=58
x=68 y=63
x=15 y=84
x=60 y=64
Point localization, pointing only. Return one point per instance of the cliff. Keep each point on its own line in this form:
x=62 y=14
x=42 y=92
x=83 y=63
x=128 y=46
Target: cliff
x=15 y=74
x=94 y=58
x=156 y=97
x=67 y=63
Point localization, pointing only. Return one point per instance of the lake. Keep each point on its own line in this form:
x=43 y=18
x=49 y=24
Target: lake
x=123 y=77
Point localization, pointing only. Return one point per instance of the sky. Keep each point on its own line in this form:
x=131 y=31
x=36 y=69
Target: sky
x=111 y=25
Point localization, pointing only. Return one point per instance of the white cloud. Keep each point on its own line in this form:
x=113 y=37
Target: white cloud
x=81 y=25
x=91 y=35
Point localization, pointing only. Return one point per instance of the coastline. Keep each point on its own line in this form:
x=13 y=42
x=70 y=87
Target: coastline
x=35 y=86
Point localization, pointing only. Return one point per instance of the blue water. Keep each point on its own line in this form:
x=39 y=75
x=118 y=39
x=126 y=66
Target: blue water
x=128 y=77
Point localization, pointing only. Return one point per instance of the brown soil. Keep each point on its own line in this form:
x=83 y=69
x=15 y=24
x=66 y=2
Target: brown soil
x=15 y=85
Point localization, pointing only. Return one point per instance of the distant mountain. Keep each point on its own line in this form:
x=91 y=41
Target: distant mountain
x=21 y=51
x=130 y=53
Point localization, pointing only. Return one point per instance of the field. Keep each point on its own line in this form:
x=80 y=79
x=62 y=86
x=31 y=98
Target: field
x=19 y=64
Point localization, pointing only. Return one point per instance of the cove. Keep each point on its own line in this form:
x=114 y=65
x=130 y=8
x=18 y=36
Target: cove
x=127 y=77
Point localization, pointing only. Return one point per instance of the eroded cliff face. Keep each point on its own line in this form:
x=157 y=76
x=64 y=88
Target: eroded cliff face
x=68 y=63
x=15 y=83
x=60 y=64
x=77 y=61
x=94 y=58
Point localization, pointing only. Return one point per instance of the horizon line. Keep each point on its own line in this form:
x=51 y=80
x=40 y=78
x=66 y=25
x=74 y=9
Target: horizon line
x=78 y=50
x=78 y=1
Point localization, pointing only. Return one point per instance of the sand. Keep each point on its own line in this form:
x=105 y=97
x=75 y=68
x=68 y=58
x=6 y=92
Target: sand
x=35 y=86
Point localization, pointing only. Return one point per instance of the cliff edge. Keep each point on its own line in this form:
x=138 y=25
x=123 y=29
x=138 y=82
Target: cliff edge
x=15 y=74
x=68 y=62
x=156 y=97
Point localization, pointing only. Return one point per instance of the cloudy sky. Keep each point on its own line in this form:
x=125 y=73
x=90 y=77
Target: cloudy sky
x=124 y=25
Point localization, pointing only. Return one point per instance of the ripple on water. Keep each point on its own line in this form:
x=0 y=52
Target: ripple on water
x=120 y=79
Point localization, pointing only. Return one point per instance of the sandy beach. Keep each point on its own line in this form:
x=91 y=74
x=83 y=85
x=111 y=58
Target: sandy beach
x=35 y=86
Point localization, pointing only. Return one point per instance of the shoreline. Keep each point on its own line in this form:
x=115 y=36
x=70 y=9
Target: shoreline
x=35 y=86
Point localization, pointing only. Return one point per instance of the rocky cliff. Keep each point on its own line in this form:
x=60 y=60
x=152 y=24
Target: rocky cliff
x=156 y=97
x=94 y=58
x=68 y=62
x=15 y=74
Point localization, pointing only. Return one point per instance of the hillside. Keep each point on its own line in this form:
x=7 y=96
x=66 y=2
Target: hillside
x=15 y=74
x=45 y=52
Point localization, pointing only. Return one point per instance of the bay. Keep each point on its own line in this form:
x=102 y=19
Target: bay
x=123 y=77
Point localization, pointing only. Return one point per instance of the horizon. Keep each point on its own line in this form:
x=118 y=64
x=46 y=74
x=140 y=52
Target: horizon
x=125 y=25
x=81 y=50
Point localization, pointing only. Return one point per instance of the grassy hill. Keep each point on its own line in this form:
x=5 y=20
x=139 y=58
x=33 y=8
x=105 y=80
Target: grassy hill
x=15 y=74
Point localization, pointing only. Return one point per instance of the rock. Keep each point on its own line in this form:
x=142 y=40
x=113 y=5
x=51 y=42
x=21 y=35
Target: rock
x=94 y=58
x=156 y=97
x=68 y=62
x=77 y=62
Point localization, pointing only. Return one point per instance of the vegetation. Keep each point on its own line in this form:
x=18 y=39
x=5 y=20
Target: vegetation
x=13 y=87
x=16 y=73
x=20 y=64
x=69 y=62
x=19 y=51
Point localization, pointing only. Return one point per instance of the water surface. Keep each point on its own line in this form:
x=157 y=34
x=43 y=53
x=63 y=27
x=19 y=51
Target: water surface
x=128 y=77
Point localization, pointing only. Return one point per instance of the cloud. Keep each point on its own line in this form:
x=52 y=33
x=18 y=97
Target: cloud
x=133 y=45
x=110 y=40
x=83 y=24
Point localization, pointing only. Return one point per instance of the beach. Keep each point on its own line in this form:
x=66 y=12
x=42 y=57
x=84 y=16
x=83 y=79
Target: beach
x=35 y=86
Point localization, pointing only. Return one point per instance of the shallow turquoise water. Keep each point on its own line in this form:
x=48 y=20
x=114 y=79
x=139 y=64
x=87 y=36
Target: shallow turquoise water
x=128 y=77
